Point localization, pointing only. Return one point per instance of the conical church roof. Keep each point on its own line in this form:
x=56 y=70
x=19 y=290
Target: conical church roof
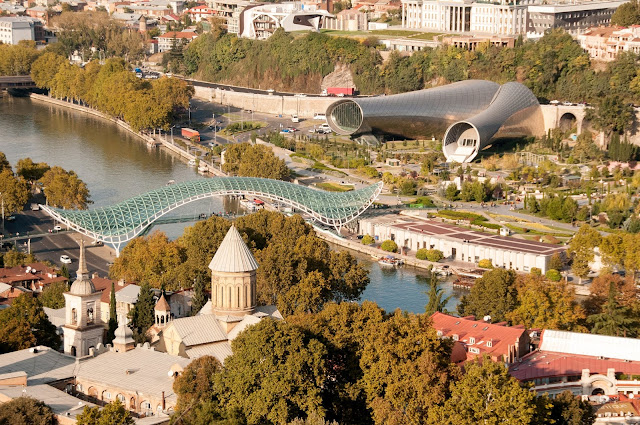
x=83 y=284
x=233 y=255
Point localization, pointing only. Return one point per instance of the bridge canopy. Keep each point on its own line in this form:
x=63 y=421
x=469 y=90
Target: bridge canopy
x=119 y=223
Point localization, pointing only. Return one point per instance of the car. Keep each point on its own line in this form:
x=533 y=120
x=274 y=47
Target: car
x=340 y=94
x=65 y=259
x=109 y=264
x=11 y=218
x=292 y=129
x=270 y=91
x=57 y=228
x=294 y=118
x=567 y=103
x=320 y=117
x=285 y=131
x=35 y=207
x=300 y=95
x=554 y=102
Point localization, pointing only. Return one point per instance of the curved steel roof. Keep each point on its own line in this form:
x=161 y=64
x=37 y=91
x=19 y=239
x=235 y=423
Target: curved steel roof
x=123 y=221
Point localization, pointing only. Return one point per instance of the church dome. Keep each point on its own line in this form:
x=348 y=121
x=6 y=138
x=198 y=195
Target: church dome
x=123 y=332
x=82 y=287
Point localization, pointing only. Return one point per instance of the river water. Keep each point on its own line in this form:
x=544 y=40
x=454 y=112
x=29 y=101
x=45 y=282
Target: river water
x=115 y=165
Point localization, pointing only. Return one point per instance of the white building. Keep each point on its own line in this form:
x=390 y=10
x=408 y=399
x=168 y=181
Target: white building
x=17 y=28
x=460 y=244
x=530 y=17
x=605 y=43
x=261 y=21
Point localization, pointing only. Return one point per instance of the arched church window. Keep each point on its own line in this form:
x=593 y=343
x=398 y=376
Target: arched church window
x=74 y=316
x=90 y=315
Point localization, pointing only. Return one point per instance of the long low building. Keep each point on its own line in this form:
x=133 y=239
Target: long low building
x=461 y=244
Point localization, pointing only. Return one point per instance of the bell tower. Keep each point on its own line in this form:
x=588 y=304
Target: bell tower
x=83 y=328
x=233 y=277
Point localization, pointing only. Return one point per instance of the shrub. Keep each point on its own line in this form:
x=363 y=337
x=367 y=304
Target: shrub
x=536 y=271
x=553 y=275
x=367 y=240
x=421 y=254
x=389 y=246
x=485 y=264
x=434 y=255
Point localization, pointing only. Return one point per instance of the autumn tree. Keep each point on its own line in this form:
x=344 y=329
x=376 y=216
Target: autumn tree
x=153 y=259
x=243 y=159
x=44 y=69
x=26 y=411
x=582 y=249
x=25 y=324
x=64 y=189
x=486 y=394
x=275 y=374
x=569 y=409
x=199 y=244
x=112 y=413
x=13 y=191
x=547 y=305
x=4 y=162
x=13 y=258
x=494 y=294
x=31 y=171
x=52 y=296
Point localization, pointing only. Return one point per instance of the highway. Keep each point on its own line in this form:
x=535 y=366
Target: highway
x=52 y=246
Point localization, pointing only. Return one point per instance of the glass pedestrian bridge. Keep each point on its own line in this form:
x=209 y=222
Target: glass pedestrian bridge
x=119 y=223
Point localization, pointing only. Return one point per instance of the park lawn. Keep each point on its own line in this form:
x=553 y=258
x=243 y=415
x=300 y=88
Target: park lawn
x=334 y=187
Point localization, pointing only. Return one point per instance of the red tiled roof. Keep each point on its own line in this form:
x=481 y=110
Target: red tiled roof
x=543 y=364
x=104 y=285
x=500 y=337
x=39 y=273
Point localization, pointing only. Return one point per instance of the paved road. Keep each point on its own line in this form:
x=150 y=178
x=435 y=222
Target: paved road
x=52 y=247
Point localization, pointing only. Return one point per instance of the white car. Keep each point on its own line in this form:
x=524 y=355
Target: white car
x=294 y=118
x=65 y=259
x=320 y=117
x=567 y=103
x=57 y=228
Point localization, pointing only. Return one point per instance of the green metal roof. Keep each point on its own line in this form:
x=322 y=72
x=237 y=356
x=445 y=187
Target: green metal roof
x=123 y=221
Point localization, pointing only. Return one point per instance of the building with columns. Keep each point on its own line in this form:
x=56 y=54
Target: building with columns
x=83 y=328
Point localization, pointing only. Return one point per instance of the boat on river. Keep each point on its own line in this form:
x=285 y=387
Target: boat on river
x=442 y=271
x=464 y=282
x=390 y=261
x=191 y=163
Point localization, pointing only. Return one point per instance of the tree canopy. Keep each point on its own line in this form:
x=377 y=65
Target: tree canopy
x=244 y=159
x=26 y=411
x=64 y=189
x=494 y=294
x=25 y=325
x=113 y=413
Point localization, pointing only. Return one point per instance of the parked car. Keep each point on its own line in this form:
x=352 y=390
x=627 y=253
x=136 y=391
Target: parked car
x=35 y=207
x=285 y=131
x=65 y=259
x=11 y=218
x=324 y=128
x=567 y=103
x=294 y=118
x=320 y=117
x=57 y=228
x=292 y=129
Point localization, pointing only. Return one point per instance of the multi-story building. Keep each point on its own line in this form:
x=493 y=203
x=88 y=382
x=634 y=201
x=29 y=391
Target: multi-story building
x=571 y=17
x=167 y=40
x=530 y=17
x=605 y=43
x=17 y=28
x=229 y=11
x=347 y=20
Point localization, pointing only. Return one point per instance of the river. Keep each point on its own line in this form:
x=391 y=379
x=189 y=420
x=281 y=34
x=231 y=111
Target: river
x=115 y=165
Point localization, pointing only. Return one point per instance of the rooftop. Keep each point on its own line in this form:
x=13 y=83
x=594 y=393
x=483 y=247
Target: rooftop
x=491 y=339
x=199 y=329
x=128 y=294
x=612 y=347
x=220 y=350
x=42 y=366
x=233 y=255
x=435 y=228
x=141 y=369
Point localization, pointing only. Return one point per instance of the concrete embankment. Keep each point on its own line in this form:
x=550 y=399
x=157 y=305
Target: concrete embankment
x=304 y=107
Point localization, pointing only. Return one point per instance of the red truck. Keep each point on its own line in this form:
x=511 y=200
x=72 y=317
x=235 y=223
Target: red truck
x=190 y=134
x=340 y=91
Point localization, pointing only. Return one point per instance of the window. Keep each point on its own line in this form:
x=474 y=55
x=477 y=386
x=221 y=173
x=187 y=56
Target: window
x=121 y=398
x=489 y=343
x=474 y=350
x=455 y=337
x=74 y=316
x=472 y=340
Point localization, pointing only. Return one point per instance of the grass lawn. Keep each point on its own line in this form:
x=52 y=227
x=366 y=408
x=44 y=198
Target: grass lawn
x=334 y=187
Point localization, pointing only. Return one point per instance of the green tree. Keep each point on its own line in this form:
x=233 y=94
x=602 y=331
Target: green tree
x=451 y=192
x=436 y=300
x=275 y=374
x=556 y=261
x=13 y=191
x=626 y=14
x=553 y=275
x=113 y=413
x=15 y=258
x=486 y=394
x=113 y=319
x=199 y=296
x=244 y=159
x=141 y=315
x=494 y=294
x=389 y=246
x=615 y=319
x=44 y=69
x=25 y=324
x=567 y=409
x=64 y=271
x=26 y=411
x=52 y=295
x=64 y=189
x=367 y=240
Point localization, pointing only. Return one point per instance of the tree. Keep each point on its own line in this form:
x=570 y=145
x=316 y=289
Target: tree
x=494 y=294
x=485 y=264
x=367 y=240
x=52 y=295
x=582 y=248
x=486 y=394
x=275 y=374
x=25 y=324
x=141 y=315
x=64 y=189
x=15 y=258
x=13 y=191
x=26 y=411
x=556 y=261
x=436 y=302
x=31 y=171
x=111 y=414
x=547 y=305
x=567 y=409
x=64 y=271
x=4 y=162
x=113 y=319
x=244 y=159
x=199 y=296
x=198 y=388
x=614 y=319
x=627 y=14
x=389 y=246
x=553 y=275
x=44 y=69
